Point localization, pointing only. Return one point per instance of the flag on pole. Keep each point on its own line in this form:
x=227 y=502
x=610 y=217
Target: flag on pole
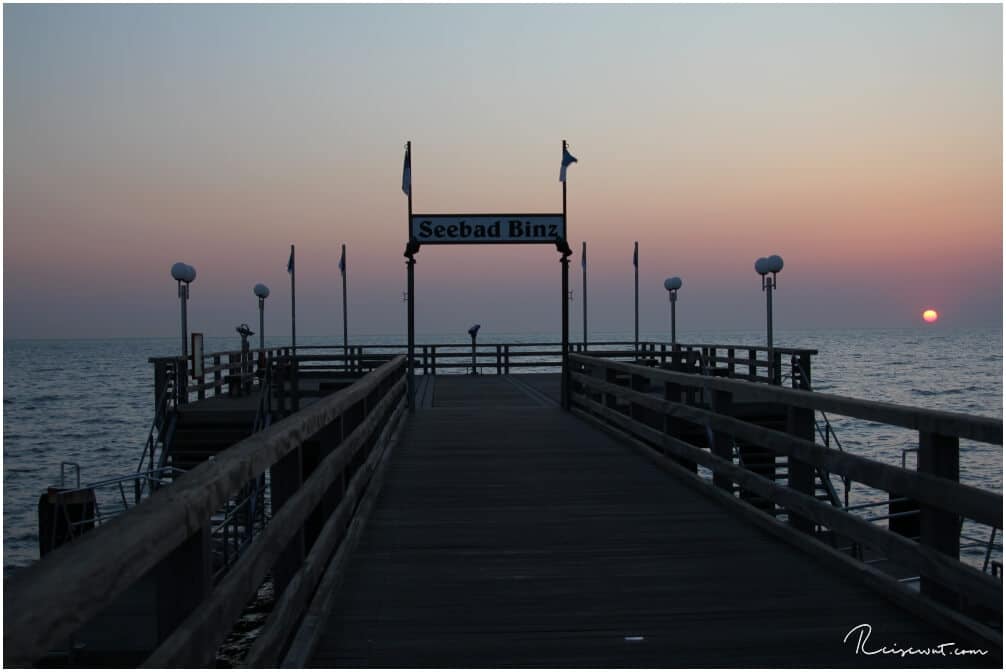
x=583 y=256
x=407 y=173
x=567 y=159
x=289 y=264
x=635 y=255
x=342 y=261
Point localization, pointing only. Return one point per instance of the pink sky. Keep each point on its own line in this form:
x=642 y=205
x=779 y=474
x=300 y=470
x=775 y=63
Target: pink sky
x=862 y=143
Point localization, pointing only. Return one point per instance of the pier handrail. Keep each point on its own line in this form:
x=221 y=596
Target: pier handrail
x=223 y=372
x=353 y=424
x=963 y=425
x=610 y=392
x=748 y=362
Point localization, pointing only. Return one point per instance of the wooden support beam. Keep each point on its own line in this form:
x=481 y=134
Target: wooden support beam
x=721 y=443
x=939 y=527
x=177 y=597
x=800 y=423
x=286 y=478
x=673 y=426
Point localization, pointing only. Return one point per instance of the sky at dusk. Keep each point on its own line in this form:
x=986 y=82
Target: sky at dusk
x=862 y=143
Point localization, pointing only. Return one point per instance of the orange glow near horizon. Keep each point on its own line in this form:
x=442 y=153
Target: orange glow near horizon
x=930 y=315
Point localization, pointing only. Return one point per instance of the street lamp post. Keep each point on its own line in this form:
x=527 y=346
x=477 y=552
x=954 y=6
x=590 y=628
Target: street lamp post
x=262 y=292
x=764 y=266
x=184 y=274
x=672 y=285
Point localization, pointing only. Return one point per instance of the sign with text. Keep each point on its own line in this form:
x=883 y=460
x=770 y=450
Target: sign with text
x=457 y=229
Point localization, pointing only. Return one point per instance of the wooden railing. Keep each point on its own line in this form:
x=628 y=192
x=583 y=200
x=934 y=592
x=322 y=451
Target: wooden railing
x=230 y=373
x=653 y=407
x=319 y=463
x=733 y=361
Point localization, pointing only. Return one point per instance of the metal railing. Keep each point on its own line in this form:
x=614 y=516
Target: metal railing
x=111 y=497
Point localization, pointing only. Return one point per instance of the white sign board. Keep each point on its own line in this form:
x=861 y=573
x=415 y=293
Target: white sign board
x=457 y=229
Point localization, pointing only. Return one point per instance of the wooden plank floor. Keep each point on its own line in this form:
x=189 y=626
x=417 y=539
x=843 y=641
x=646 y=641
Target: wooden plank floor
x=511 y=534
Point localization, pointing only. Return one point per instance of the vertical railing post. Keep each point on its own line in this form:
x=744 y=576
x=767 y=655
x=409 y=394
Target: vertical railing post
x=731 y=362
x=672 y=426
x=722 y=443
x=183 y=579
x=663 y=354
x=286 y=477
x=506 y=359
x=800 y=423
x=803 y=364
x=201 y=380
x=279 y=382
x=294 y=383
x=433 y=359
x=939 y=529
x=752 y=363
x=160 y=380
x=776 y=370
x=182 y=379
x=217 y=376
x=426 y=362
x=638 y=384
x=610 y=376
x=232 y=373
x=499 y=359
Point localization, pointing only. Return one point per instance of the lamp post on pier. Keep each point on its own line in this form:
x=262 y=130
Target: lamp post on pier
x=184 y=274
x=763 y=266
x=672 y=285
x=262 y=292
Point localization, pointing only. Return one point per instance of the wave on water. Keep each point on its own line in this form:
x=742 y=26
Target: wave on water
x=45 y=399
x=935 y=393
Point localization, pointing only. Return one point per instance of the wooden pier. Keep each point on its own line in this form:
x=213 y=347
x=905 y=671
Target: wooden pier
x=490 y=526
x=508 y=533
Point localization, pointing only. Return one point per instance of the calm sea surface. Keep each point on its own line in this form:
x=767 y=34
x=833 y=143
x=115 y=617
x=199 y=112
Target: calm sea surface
x=91 y=401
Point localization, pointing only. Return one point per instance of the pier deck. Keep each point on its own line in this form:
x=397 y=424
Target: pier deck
x=509 y=533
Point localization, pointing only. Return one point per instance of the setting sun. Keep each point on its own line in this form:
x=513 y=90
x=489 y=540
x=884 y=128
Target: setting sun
x=930 y=315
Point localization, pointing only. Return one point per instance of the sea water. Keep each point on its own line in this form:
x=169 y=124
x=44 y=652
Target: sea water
x=90 y=402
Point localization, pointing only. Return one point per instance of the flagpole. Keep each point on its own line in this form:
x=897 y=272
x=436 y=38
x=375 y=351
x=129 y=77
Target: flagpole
x=564 y=395
x=584 y=265
x=293 y=300
x=345 y=322
x=411 y=265
x=635 y=263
